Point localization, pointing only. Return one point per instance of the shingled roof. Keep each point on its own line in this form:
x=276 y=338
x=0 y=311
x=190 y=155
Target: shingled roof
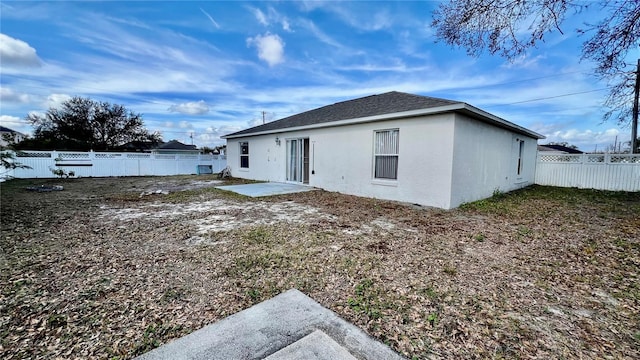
x=7 y=130
x=368 y=106
x=386 y=103
x=175 y=145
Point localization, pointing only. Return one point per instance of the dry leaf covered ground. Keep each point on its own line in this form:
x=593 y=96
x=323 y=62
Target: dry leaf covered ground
x=100 y=271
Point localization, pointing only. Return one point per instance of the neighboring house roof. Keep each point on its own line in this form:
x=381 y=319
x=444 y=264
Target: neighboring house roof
x=175 y=145
x=7 y=130
x=137 y=146
x=9 y=136
x=566 y=150
x=385 y=106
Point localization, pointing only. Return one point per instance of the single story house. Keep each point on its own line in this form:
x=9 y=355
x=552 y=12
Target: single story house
x=393 y=146
x=8 y=136
x=175 y=147
x=552 y=149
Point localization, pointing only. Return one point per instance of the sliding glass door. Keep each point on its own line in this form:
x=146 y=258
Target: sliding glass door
x=298 y=160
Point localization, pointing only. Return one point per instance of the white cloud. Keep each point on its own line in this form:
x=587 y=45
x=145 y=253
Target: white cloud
x=524 y=62
x=185 y=125
x=357 y=15
x=168 y=124
x=366 y=22
x=17 y=53
x=260 y=16
x=9 y=96
x=56 y=100
x=286 y=26
x=585 y=140
x=275 y=17
x=270 y=48
x=8 y=120
x=191 y=108
x=319 y=34
x=215 y=23
x=15 y=123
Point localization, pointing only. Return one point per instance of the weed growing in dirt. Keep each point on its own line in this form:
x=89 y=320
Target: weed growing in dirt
x=497 y=194
x=432 y=319
x=254 y=294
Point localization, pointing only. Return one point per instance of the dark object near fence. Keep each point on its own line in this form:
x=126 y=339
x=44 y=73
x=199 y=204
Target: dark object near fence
x=225 y=173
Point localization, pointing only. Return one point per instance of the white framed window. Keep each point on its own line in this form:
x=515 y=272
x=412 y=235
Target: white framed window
x=520 y=155
x=385 y=154
x=244 y=155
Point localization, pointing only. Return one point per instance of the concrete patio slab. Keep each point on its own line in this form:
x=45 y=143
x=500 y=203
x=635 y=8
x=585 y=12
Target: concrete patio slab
x=266 y=189
x=288 y=326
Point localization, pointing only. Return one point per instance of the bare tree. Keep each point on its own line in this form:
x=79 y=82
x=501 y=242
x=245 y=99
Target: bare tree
x=510 y=27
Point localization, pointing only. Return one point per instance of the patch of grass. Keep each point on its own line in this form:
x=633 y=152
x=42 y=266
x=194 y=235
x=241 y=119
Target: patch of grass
x=151 y=338
x=429 y=292
x=181 y=196
x=17 y=287
x=488 y=206
x=590 y=247
x=258 y=235
x=506 y=203
x=367 y=300
x=479 y=237
x=173 y=294
x=127 y=197
x=524 y=231
x=230 y=195
x=450 y=270
x=55 y=321
x=248 y=264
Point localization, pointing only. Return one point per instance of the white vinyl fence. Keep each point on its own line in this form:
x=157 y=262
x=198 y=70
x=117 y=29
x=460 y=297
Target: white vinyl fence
x=105 y=164
x=617 y=172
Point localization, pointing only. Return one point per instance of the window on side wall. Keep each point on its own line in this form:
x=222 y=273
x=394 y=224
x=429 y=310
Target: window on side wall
x=520 y=156
x=244 y=155
x=385 y=154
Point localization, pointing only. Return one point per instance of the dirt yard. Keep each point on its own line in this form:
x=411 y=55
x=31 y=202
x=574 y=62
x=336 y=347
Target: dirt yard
x=112 y=268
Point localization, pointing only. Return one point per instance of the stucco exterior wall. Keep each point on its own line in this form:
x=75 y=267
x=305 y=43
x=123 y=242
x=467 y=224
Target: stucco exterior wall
x=485 y=159
x=265 y=158
x=342 y=159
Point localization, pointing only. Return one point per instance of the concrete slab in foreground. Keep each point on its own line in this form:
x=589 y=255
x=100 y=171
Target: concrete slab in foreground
x=266 y=189
x=288 y=326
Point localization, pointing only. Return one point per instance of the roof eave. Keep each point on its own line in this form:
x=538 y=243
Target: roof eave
x=500 y=122
x=457 y=107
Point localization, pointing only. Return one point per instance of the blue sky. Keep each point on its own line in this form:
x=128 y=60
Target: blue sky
x=199 y=70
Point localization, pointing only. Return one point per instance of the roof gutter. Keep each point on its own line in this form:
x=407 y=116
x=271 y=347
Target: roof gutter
x=463 y=108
